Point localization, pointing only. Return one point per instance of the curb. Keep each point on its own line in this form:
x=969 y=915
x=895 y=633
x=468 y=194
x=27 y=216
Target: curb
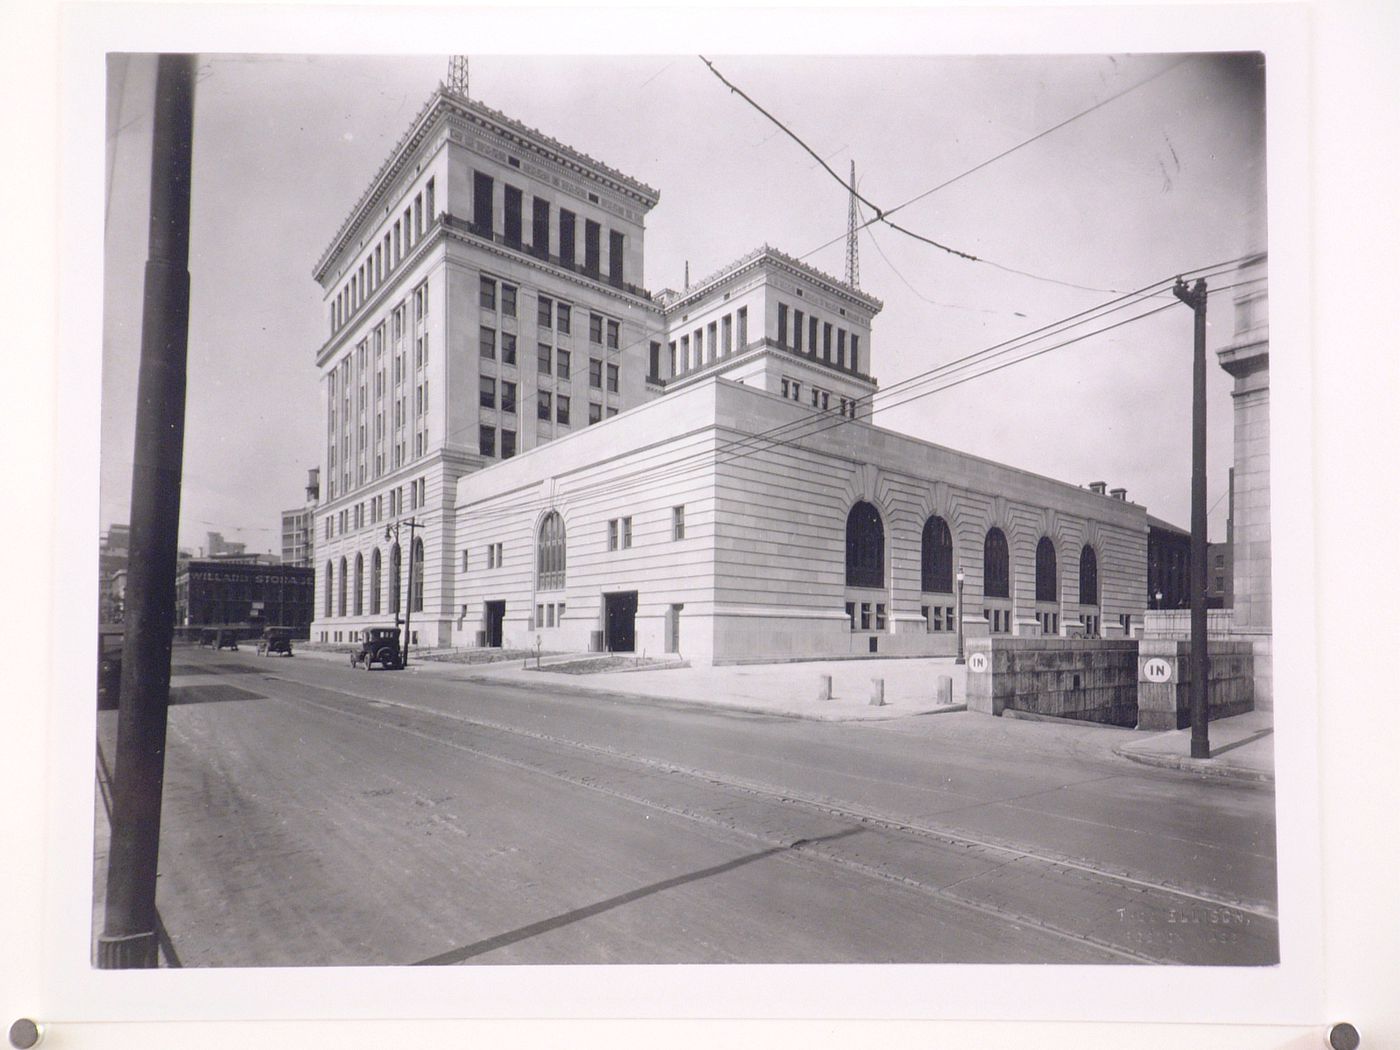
x=1198 y=766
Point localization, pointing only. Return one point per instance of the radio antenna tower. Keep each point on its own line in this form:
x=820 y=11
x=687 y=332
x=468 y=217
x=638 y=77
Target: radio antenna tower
x=457 y=80
x=852 y=248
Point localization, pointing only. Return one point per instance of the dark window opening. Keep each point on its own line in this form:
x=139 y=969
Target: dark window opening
x=937 y=560
x=996 y=565
x=865 y=547
x=540 y=236
x=483 y=190
x=1046 y=587
x=514 y=204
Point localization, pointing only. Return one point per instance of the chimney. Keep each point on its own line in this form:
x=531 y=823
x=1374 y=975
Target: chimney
x=1098 y=488
x=1121 y=494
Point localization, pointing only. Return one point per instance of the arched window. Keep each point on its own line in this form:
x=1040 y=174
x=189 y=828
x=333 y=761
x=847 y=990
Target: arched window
x=1088 y=576
x=1047 y=588
x=416 y=594
x=359 y=584
x=996 y=565
x=395 y=569
x=330 y=588
x=865 y=547
x=549 y=553
x=374 y=572
x=340 y=603
x=937 y=557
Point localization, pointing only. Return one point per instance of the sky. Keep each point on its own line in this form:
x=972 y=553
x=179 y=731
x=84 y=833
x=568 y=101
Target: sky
x=1167 y=178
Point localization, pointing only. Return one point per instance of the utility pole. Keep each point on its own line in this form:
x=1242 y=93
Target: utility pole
x=1195 y=298
x=128 y=939
x=393 y=531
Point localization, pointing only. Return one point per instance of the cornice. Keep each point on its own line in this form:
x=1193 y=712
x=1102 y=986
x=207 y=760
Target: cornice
x=781 y=261
x=443 y=101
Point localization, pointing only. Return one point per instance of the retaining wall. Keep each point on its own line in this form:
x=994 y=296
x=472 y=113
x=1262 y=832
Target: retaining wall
x=1089 y=679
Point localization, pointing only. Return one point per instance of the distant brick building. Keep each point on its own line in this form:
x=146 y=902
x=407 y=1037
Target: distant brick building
x=216 y=591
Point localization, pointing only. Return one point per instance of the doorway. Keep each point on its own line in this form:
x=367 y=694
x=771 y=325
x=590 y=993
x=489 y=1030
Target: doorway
x=673 y=629
x=620 y=622
x=495 y=623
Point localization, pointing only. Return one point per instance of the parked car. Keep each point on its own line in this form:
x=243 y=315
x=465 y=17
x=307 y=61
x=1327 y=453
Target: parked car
x=275 y=640
x=207 y=635
x=226 y=638
x=378 y=645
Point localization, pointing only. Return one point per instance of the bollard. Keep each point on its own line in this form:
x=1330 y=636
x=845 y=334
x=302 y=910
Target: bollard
x=877 y=692
x=823 y=687
x=945 y=689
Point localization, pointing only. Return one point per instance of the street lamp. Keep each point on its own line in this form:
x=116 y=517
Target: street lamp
x=960 y=659
x=392 y=532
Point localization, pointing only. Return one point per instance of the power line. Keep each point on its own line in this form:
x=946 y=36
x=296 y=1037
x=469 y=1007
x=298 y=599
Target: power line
x=815 y=424
x=1007 y=152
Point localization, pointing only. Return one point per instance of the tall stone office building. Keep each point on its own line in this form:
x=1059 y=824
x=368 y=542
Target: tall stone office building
x=485 y=323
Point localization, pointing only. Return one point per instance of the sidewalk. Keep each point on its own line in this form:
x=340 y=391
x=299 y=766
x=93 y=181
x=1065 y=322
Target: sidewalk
x=1241 y=748
x=786 y=689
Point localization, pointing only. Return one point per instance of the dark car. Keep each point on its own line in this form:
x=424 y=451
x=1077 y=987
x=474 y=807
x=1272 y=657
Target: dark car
x=207 y=635
x=378 y=645
x=109 y=669
x=226 y=638
x=275 y=640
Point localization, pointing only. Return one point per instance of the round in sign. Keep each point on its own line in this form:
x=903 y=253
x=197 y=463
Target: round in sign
x=977 y=662
x=1157 y=670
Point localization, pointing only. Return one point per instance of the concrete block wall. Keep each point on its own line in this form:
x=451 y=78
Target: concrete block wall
x=1166 y=704
x=1088 y=679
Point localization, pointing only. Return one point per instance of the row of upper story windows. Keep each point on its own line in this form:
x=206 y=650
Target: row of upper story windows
x=792 y=390
x=555 y=361
x=808 y=334
x=372 y=511
x=708 y=343
x=501 y=297
x=565 y=253
x=380 y=260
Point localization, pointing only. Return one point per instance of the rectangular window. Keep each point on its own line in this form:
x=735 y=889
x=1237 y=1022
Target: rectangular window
x=627 y=532
x=812 y=335
x=483 y=192
x=566 y=238
x=545 y=314
x=595 y=328
x=514 y=202
x=654 y=361
x=592 y=247
x=797 y=330
x=840 y=348
x=508 y=397
x=430 y=204
x=507 y=348
x=561 y=364
x=562 y=317
x=540 y=236
x=615 y=243
x=685 y=353
x=486 y=441
x=727 y=335
x=546 y=359
x=595 y=413
x=612 y=533
x=508 y=300
x=855 y=352
x=742 y=336
x=507 y=444
x=678 y=523
x=561 y=409
x=712 y=341
x=542 y=405
x=611 y=412
x=488 y=344
x=539 y=615
x=880 y=616
x=488 y=392
x=612 y=378
x=782 y=324
x=851 y=614
x=595 y=373
x=420 y=302
x=826 y=342
x=612 y=335
x=865 y=616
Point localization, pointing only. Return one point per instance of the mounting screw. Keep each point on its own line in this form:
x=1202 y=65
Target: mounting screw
x=24 y=1034
x=1343 y=1036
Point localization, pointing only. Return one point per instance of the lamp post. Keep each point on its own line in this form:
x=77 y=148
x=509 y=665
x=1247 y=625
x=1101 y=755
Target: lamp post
x=392 y=532
x=960 y=659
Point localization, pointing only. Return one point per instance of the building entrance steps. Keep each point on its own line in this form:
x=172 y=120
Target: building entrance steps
x=1241 y=748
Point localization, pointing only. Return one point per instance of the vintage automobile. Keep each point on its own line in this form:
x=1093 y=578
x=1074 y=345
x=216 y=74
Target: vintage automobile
x=378 y=645
x=207 y=635
x=226 y=638
x=109 y=669
x=275 y=640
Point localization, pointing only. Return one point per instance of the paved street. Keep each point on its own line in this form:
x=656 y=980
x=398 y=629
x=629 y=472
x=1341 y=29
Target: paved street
x=316 y=815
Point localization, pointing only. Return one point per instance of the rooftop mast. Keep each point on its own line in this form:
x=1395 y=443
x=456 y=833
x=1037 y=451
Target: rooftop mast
x=852 y=249
x=457 y=79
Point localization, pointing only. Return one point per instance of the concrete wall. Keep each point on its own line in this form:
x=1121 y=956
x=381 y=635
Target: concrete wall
x=1091 y=680
x=1166 y=704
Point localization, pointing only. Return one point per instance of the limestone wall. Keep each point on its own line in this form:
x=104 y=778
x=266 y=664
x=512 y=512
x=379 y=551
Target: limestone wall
x=1088 y=679
x=1165 y=702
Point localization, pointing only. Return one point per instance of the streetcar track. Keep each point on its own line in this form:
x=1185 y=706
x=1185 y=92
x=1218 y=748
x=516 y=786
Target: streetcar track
x=842 y=809
x=798 y=846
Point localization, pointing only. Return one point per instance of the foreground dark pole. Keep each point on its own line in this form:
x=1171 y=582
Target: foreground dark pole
x=1200 y=659
x=129 y=935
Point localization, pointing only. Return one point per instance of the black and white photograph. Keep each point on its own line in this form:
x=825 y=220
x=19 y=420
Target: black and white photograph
x=597 y=516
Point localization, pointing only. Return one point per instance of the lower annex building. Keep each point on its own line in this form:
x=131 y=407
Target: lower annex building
x=712 y=487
